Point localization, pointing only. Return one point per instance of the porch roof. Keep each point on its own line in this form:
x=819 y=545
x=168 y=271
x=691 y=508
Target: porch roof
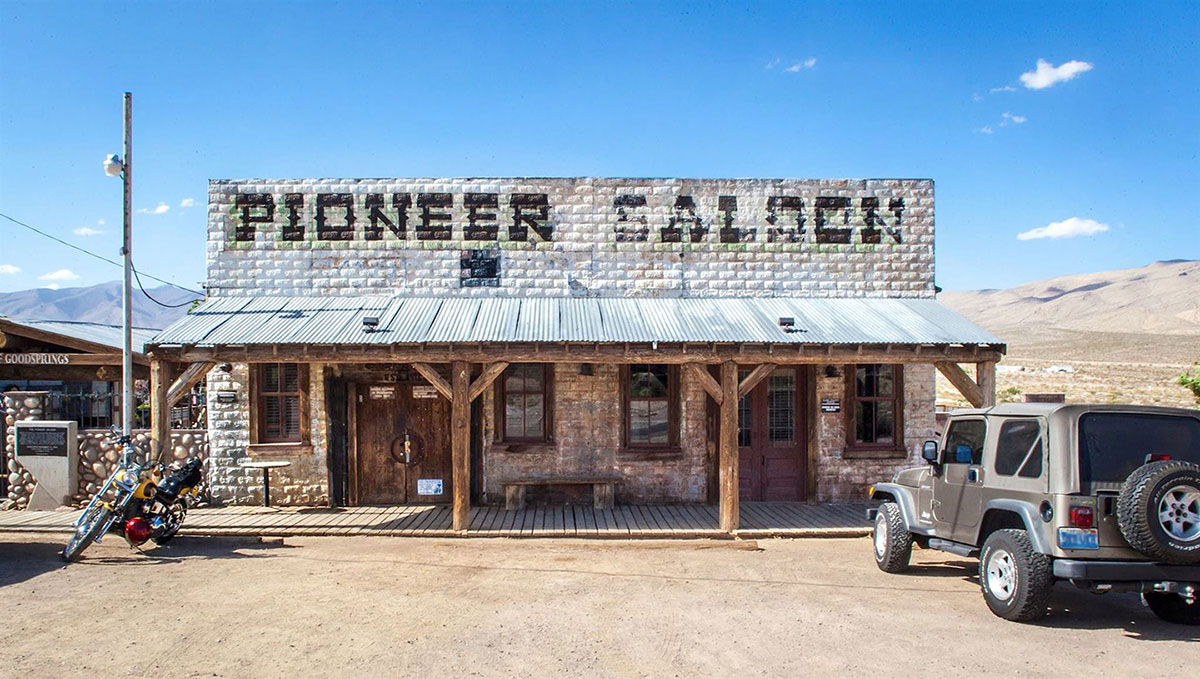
x=314 y=320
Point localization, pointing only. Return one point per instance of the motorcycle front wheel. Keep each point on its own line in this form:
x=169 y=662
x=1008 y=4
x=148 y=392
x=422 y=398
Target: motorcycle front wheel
x=89 y=529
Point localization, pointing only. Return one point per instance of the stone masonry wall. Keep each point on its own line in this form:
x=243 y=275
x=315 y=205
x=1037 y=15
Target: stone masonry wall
x=572 y=237
x=587 y=442
x=305 y=482
x=842 y=478
x=98 y=453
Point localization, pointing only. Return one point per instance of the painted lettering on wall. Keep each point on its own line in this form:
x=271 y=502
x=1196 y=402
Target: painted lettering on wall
x=527 y=218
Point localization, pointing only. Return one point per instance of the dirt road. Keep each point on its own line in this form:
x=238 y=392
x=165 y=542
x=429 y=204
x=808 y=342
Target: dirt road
x=380 y=607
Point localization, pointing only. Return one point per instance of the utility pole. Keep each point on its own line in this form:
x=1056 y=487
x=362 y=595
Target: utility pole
x=127 y=406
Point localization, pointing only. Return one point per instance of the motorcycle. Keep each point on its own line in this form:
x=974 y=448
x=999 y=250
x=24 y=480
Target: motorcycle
x=148 y=501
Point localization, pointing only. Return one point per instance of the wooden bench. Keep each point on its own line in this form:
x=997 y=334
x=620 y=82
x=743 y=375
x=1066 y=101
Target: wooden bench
x=603 y=489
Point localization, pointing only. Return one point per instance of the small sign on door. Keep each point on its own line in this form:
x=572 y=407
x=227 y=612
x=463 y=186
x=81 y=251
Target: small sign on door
x=386 y=391
x=424 y=392
x=429 y=487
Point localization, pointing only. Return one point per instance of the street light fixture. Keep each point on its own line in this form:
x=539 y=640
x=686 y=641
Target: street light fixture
x=119 y=166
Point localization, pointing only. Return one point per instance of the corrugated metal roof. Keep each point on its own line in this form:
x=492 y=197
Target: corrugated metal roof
x=97 y=333
x=413 y=320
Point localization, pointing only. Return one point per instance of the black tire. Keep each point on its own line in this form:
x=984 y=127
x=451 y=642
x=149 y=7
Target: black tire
x=1173 y=608
x=891 y=541
x=1015 y=579
x=174 y=521
x=89 y=529
x=1158 y=511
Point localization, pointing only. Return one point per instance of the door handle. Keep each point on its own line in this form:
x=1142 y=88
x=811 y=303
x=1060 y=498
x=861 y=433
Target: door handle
x=973 y=475
x=407 y=449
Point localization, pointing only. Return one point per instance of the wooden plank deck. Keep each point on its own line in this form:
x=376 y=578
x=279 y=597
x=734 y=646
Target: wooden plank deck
x=758 y=519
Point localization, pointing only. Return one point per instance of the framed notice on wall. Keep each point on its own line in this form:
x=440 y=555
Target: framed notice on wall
x=831 y=405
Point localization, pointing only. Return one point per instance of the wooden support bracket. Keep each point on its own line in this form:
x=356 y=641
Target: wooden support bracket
x=485 y=379
x=429 y=373
x=184 y=383
x=757 y=375
x=963 y=383
x=710 y=384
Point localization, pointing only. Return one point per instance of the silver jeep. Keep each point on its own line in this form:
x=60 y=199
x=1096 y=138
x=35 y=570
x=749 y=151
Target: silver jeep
x=1104 y=496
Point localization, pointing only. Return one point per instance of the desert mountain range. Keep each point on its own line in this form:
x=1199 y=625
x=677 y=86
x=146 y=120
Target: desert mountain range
x=96 y=304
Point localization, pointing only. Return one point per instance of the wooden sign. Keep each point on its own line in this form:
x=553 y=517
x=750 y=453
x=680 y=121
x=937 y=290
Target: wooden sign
x=36 y=359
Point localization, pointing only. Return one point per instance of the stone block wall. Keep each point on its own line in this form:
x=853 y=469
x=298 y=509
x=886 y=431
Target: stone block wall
x=587 y=442
x=305 y=482
x=841 y=477
x=587 y=237
x=98 y=453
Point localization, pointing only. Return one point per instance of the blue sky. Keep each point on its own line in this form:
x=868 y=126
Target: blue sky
x=227 y=90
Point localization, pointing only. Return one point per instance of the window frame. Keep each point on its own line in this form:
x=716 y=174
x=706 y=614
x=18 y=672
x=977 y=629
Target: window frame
x=1027 y=456
x=501 y=410
x=258 y=401
x=674 y=375
x=852 y=400
x=947 y=457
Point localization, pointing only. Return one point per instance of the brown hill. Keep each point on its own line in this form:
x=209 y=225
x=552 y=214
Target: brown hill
x=1162 y=298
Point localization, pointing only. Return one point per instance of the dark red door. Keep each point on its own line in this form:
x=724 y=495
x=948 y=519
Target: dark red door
x=403 y=444
x=771 y=438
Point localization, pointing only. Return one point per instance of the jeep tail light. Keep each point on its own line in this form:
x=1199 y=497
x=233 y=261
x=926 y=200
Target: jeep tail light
x=1082 y=517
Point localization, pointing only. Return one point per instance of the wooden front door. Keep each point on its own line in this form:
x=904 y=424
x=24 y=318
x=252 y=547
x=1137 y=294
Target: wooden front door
x=771 y=438
x=402 y=444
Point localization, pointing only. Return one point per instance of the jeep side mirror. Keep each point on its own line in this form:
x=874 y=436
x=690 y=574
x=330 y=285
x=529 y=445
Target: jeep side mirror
x=929 y=452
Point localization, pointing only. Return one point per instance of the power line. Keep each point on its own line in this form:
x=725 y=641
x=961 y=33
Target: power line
x=143 y=289
x=99 y=257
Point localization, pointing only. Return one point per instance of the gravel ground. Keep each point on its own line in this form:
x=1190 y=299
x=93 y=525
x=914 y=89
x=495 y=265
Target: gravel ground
x=376 y=607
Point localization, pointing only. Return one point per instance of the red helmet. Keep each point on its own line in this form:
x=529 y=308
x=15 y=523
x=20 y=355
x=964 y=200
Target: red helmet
x=137 y=530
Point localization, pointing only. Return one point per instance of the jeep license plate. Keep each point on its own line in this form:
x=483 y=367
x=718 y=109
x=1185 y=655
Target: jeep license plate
x=1078 y=538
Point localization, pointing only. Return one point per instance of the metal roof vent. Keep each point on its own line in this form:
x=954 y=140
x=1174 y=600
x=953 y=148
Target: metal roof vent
x=370 y=323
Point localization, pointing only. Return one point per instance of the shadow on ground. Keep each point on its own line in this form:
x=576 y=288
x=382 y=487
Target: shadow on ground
x=20 y=561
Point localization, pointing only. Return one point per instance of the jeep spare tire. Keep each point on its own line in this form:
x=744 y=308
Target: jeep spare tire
x=1158 y=511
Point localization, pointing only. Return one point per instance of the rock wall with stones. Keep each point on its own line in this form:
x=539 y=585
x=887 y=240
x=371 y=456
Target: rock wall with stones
x=305 y=482
x=98 y=453
x=587 y=442
x=572 y=237
x=841 y=475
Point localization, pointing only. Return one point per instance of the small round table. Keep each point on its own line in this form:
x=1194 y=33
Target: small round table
x=266 y=466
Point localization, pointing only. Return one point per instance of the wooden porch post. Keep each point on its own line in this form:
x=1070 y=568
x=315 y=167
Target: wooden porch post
x=460 y=442
x=727 y=447
x=160 y=410
x=985 y=377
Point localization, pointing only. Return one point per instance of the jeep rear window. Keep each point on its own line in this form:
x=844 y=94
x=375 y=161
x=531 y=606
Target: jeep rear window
x=1113 y=445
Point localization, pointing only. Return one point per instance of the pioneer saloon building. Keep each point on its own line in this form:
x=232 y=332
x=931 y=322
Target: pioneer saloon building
x=501 y=341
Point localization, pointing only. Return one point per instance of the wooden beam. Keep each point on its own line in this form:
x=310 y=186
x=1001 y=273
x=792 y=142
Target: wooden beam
x=429 y=373
x=460 y=444
x=728 y=452
x=15 y=328
x=757 y=375
x=557 y=353
x=962 y=382
x=700 y=374
x=160 y=412
x=184 y=383
x=485 y=379
x=985 y=377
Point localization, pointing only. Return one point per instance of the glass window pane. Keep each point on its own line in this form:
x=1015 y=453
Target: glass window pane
x=514 y=380
x=864 y=421
x=639 y=431
x=533 y=416
x=885 y=422
x=967 y=435
x=1016 y=438
x=648 y=381
x=657 y=421
x=270 y=373
x=864 y=380
x=744 y=415
x=533 y=378
x=272 y=417
x=291 y=417
x=781 y=406
x=514 y=416
x=291 y=377
x=1033 y=466
x=885 y=380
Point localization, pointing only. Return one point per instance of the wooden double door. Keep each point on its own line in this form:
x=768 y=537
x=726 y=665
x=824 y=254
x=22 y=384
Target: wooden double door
x=402 y=444
x=772 y=441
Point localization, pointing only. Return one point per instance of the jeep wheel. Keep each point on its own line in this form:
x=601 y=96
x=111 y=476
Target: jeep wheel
x=893 y=542
x=1016 y=580
x=1173 y=608
x=1158 y=511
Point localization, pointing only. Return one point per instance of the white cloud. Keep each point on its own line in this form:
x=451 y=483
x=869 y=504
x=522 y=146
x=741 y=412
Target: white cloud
x=60 y=275
x=156 y=210
x=1005 y=88
x=86 y=231
x=9 y=269
x=99 y=222
x=187 y=202
x=986 y=129
x=801 y=65
x=1047 y=74
x=1068 y=228
x=52 y=286
x=773 y=63
x=1010 y=119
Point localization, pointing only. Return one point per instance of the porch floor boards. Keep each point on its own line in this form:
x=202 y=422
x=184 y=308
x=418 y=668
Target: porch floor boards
x=758 y=519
